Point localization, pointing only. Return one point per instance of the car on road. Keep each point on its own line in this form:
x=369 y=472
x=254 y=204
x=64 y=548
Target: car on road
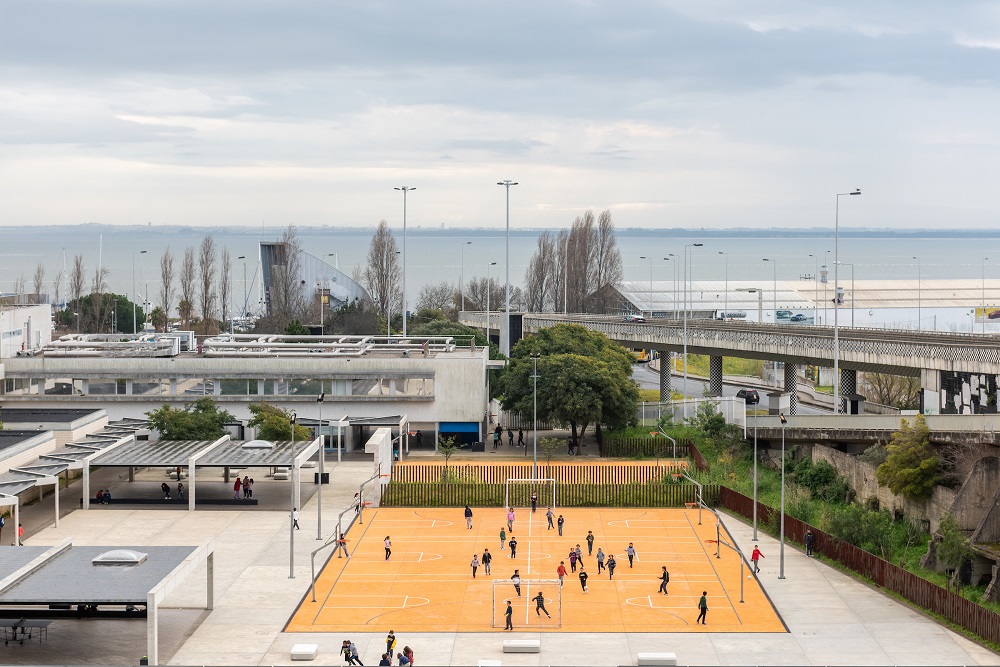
x=749 y=395
x=797 y=317
x=634 y=318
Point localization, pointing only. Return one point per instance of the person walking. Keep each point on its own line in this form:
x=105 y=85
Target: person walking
x=295 y=518
x=486 y=560
x=468 y=517
x=809 y=539
x=612 y=563
x=590 y=543
x=166 y=491
x=474 y=564
x=510 y=519
x=569 y=447
x=342 y=542
x=388 y=547
x=702 y=607
x=246 y=486
x=534 y=501
x=390 y=643
x=503 y=539
x=510 y=437
x=540 y=605
x=520 y=437
x=572 y=560
x=579 y=555
x=583 y=579
x=549 y=516
x=237 y=486
x=357 y=503
x=513 y=547
x=600 y=560
x=754 y=557
x=249 y=488
x=561 y=571
x=496 y=436
x=508 y=616
x=20 y=535
x=516 y=579
x=630 y=550
x=180 y=490
x=664 y=580
x=560 y=523
x=355 y=660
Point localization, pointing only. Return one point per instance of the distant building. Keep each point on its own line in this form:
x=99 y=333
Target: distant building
x=24 y=329
x=320 y=282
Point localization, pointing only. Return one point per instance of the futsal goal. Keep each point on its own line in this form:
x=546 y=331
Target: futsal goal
x=526 y=611
x=517 y=492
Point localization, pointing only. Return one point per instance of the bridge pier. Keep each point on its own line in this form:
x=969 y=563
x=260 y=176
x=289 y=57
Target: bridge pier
x=848 y=386
x=930 y=391
x=715 y=375
x=666 y=366
x=792 y=387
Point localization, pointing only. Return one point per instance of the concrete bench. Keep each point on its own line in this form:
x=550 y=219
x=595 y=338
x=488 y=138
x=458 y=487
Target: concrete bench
x=656 y=659
x=281 y=473
x=522 y=646
x=305 y=651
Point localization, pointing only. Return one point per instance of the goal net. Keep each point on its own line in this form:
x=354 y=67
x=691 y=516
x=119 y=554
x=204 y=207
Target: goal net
x=517 y=492
x=526 y=610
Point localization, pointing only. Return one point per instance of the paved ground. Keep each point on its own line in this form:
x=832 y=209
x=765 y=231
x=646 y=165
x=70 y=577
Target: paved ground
x=831 y=618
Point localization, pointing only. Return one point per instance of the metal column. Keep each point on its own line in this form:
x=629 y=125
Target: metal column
x=848 y=386
x=715 y=376
x=792 y=387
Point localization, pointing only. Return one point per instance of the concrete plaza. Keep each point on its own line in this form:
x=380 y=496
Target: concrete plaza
x=832 y=619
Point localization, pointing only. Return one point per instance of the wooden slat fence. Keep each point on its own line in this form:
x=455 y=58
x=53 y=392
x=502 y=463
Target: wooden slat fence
x=563 y=473
x=430 y=494
x=955 y=608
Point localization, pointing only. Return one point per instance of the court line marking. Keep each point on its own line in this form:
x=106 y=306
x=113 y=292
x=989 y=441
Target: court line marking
x=711 y=561
x=342 y=570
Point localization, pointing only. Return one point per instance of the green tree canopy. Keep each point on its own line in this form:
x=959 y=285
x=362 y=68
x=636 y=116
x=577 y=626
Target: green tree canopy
x=201 y=420
x=583 y=378
x=273 y=423
x=911 y=468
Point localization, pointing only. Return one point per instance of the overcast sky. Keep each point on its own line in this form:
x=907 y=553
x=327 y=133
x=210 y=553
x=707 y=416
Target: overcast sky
x=672 y=113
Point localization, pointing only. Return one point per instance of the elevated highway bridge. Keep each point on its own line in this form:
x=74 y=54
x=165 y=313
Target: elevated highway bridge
x=958 y=372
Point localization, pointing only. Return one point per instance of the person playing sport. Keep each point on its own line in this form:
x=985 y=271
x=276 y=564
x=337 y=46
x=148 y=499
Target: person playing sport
x=540 y=605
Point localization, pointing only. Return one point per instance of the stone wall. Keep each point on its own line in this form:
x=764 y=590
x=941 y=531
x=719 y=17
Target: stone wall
x=861 y=477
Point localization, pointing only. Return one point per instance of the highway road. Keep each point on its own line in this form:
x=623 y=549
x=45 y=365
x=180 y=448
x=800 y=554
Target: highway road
x=650 y=379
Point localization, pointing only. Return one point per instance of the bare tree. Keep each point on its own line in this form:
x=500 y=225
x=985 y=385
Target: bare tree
x=99 y=305
x=540 y=275
x=57 y=288
x=77 y=280
x=441 y=296
x=225 y=282
x=894 y=390
x=39 y=279
x=19 y=289
x=485 y=295
x=186 y=306
x=607 y=270
x=287 y=297
x=382 y=274
x=166 y=282
x=206 y=266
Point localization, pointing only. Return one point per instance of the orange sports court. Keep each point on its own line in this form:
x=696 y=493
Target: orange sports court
x=427 y=585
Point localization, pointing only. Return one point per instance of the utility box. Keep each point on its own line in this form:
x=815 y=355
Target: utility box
x=778 y=403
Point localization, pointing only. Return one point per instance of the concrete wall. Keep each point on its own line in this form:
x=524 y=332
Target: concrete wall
x=861 y=477
x=976 y=495
x=24 y=328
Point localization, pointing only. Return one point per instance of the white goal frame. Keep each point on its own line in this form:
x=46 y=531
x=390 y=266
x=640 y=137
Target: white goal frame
x=503 y=590
x=523 y=480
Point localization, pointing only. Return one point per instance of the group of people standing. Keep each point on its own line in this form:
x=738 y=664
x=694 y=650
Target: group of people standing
x=498 y=437
x=245 y=485
x=405 y=656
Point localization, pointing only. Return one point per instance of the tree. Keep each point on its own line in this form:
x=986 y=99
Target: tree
x=607 y=269
x=286 y=298
x=201 y=420
x=100 y=307
x=447 y=447
x=442 y=296
x=912 y=468
x=355 y=318
x=897 y=391
x=584 y=378
x=482 y=294
x=186 y=306
x=382 y=275
x=541 y=275
x=166 y=284
x=77 y=282
x=954 y=548
x=273 y=423
x=206 y=266
x=225 y=283
x=39 y=280
x=57 y=285
x=296 y=328
x=550 y=447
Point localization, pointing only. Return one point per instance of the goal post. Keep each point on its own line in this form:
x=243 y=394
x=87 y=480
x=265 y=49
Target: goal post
x=517 y=492
x=527 y=613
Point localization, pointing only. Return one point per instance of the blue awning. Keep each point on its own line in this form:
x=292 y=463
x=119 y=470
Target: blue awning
x=459 y=427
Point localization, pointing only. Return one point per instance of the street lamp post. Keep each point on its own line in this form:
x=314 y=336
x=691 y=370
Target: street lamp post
x=404 y=189
x=489 y=288
x=836 y=301
x=919 y=299
x=674 y=299
x=245 y=297
x=461 y=277
x=291 y=516
x=781 y=556
x=774 y=284
x=725 y=308
x=826 y=302
x=687 y=273
x=140 y=253
x=815 y=289
x=505 y=329
x=534 y=378
x=322 y=460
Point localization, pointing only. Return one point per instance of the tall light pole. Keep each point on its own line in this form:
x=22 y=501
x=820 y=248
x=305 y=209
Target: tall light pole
x=670 y=254
x=291 y=516
x=404 y=189
x=836 y=301
x=140 y=253
x=686 y=274
x=245 y=296
x=461 y=277
x=388 y=303
x=815 y=289
x=489 y=288
x=322 y=460
x=919 y=304
x=505 y=329
x=774 y=286
x=985 y=259
x=534 y=377
x=781 y=556
x=725 y=308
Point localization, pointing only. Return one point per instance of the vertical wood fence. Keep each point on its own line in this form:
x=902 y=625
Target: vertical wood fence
x=434 y=494
x=952 y=606
x=564 y=473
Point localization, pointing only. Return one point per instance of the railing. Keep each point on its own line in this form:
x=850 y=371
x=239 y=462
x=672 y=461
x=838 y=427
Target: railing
x=953 y=607
x=596 y=472
x=644 y=446
x=417 y=494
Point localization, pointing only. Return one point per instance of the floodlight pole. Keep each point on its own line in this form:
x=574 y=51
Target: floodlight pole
x=534 y=398
x=505 y=330
x=836 y=301
x=322 y=460
x=781 y=557
x=291 y=516
x=404 y=189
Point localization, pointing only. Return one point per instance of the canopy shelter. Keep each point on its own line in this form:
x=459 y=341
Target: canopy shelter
x=221 y=453
x=367 y=427
x=34 y=581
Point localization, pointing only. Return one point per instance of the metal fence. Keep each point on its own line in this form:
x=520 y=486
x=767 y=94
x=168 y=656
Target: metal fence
x=430 y=494
x=732 y=408
x=951 y=606
x=648 y=447
x=597 y=472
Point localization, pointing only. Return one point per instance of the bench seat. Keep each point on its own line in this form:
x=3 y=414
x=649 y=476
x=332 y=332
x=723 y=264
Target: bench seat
x=649 y=658
x=522 y=646
x=305 y=651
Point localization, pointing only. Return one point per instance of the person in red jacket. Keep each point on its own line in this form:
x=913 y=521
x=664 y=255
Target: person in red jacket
x=561 y=571
x=754 y=557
